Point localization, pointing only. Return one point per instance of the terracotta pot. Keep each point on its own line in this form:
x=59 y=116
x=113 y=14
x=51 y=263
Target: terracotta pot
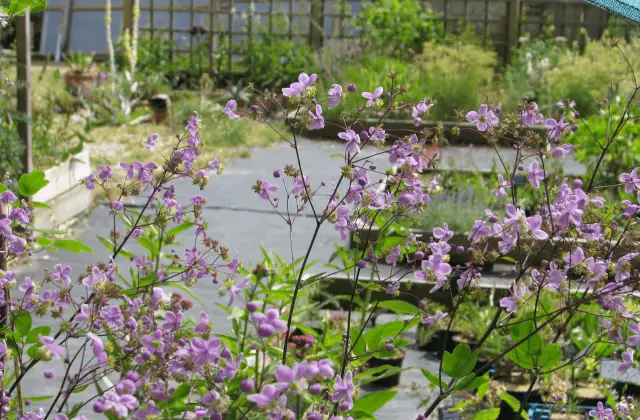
x=80 y=84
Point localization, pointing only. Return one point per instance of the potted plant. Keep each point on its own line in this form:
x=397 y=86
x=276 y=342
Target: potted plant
x=392 y=359
x=82 y=74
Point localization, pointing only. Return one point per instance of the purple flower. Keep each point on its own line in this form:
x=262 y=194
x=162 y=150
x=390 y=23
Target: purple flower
x=601 y=412
x=555 y=129
x=117 y=206
x=372 y=97
x=267 y=324
x=290 y=377
x=442 y=234
x=335 y=94
x=317 y=121
x=236 y=289
x=98 y=348
x=535 y=175
x=634 y=340
x=510 y=303
x=562 y=151
x=430 y=320
x=574 y=257
x=104 y=172
x=119 y=404
x=352 y=139
x=204 y=323
x=5 y=227
x=627 y=361
x=172 y=321
x=61 y=274
x=631 y=181
x=229 y=109
x=89 y=182
x=50 y=344
x=298 y=88
x=534 y=223
x=268 y=395
x=484 y=118
x=434 y=269
x=530 y=115
x=8 y=197
x=265 y=188
x=394 y=255
x=84 y=314
x=318 y=370
x=500 y=192
x=421 y=108
x=343 y=390
x=301 y=186
x=151 y=141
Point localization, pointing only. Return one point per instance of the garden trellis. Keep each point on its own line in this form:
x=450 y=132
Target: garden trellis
x=227 y=29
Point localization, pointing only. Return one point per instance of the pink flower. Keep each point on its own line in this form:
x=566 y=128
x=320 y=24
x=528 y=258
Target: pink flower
x=484 y=118
x=556 y=128
x=230 y=108
x=627 y=361
x=343 y=390
x=442 y=234
x=631 y=181
x=372 y=97
x=50 y=344
x=601 y=412
x=98 y=348
x=510 y=303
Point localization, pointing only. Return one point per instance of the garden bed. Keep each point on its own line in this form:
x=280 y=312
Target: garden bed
x=398 y=128
x=65 y=193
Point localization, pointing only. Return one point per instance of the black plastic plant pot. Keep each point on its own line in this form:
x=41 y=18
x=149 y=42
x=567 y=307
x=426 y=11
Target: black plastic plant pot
x=393 y=361
x=439 y=342
x=508 y=413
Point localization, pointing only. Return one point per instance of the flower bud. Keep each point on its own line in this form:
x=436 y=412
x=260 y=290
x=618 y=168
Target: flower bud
x=629 y=399
x=351 y=88
x=27 y=403
x=493 y=218
x=315 y=389
x=577 y=183
x=277 y=173
x=389 y=346
x=344 y=406
x=372 y=167
x=574 y=127
x=48 y=374
x=5 y=400
x=265 y=330
x=418 y=255
x=459 y=249
x=362 y=182
x=362 y=264
x=254 y=108
x=252 y=306
x=364 y=135
x=247 y=385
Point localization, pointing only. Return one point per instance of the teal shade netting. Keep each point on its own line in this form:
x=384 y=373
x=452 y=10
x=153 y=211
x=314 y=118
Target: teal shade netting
x=629 y=9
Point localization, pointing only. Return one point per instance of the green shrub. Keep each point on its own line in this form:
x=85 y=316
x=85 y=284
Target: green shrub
x=398 y=27
x=275 y=63
x=624 y=151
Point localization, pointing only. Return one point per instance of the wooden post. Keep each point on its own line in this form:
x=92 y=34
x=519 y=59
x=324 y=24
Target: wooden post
x=127 y=16
x=316 y=28
x=513 y=27
x=23 y=55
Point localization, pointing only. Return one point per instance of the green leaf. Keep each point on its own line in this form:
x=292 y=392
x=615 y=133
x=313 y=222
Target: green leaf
x=482 y=389
x=471 y=382
x=514 y=404
x=3 y=188
x=40 y=205
x=488 y=414
x=399 y=307
x=431 y=377
x=180 y=228
x=371 y=403
x=521 y=358
x=376 y=335
x=32 y=336
x=73 y=245
x=22 y=322
x=30 y=184
x=39 y=398
x=461 y=362
x=79 y=389
x=185 y=289
x=359 y=348
x=549 y=356
x=182 y=391
x=44 y=241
